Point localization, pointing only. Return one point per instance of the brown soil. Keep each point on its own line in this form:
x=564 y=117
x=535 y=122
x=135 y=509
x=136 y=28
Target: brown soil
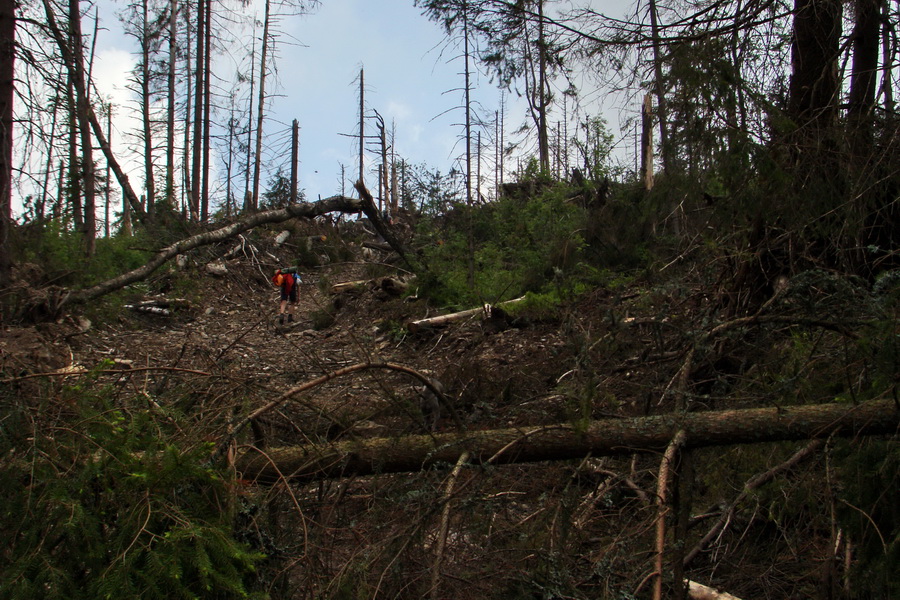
x=611 y=354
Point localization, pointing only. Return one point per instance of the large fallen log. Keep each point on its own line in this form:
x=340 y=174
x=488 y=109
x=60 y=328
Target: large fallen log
x=564 y=441
x=340 y=204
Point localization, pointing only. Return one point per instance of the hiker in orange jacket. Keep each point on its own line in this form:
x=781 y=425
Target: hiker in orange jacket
x=288 y=284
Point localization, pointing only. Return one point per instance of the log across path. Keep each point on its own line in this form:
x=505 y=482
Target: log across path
x=566 y=441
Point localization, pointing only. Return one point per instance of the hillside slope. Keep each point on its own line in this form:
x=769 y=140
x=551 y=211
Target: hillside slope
x=582 y=529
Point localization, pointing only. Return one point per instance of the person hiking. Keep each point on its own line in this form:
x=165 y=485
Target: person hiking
x=287 y=281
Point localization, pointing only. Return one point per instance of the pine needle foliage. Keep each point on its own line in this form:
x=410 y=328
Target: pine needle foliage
x=539 y=239
x=104 y=503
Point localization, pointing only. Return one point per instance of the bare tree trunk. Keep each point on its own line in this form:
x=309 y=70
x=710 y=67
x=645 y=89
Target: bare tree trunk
x=362 y=128
x=229 y=165
x=543 y=94
x=108 y=190
x=197 y=141
x=386 y=192
x=94 y=123
x=248 y=191
x=257 y=163
x=663 y=508
x=126 y=205
x=444 y=527
x=470 y=226
x=207 y=117
x=647 y=143
x=7 y=96
x=814 y=85
x=295 y=151
x=888 y=35
x=146 y=103
x=866 y=42
x=73 y=189
x=186 y=185
x=659 y=88
x=82 y=112
x=170 y=105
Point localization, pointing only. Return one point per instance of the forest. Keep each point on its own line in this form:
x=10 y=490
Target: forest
x=580 y=364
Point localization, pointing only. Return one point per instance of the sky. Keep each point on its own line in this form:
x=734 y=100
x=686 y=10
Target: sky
x=413 y=78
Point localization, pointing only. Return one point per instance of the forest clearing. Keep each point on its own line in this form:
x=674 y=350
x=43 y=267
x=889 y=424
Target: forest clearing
x=568 y=379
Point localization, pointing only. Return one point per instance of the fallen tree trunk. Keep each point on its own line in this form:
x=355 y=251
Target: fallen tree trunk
x=420 y=324
x=563 y=441
x=340 y=204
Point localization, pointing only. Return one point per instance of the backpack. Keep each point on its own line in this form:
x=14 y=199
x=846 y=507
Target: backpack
x=286 y=278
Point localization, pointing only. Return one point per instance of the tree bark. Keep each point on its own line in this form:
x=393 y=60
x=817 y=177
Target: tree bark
x=197 y=140
x=647 y=143
x=260 y=109
x=866 y=45
x=82 y=114
x=295 y=152
x=814 y=82
x=7 y=95
x=170 y=105
x=207 y=116
x=659 y=86
x=565 y=442
x=146 y=103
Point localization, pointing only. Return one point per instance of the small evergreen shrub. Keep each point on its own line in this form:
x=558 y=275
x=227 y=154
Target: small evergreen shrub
x=106 y=503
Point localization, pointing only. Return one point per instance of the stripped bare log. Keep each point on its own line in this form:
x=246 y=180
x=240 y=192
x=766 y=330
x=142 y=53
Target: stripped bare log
x=420 y=324
x=564 y=441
